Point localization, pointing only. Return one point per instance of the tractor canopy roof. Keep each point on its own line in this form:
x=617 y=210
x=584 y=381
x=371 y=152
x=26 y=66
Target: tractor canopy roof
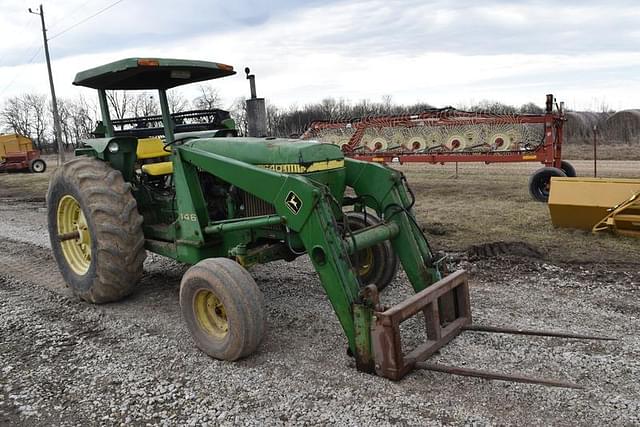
x=150 y=73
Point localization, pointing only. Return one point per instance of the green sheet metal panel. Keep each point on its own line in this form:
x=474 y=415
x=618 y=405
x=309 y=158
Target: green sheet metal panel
x=267 y=152
x=150 y=73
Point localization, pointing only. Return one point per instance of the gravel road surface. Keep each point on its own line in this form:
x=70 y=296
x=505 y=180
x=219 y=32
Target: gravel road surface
x=65 y=362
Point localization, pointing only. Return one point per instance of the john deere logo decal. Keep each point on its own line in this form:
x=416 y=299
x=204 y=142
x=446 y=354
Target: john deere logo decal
x=293 y=202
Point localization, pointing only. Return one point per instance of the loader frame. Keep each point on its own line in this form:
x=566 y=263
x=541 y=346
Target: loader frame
x=314 y=224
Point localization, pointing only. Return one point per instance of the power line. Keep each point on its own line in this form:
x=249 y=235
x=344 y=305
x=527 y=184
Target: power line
x=5 y=55
x=66 y=18
x=104 y=9
x=82 y=21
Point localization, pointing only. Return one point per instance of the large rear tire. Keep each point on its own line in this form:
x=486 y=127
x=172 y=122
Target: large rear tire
x=568 y=169
x=223 y=308
x=377 y=264
x=102 y=254
x=540 y=182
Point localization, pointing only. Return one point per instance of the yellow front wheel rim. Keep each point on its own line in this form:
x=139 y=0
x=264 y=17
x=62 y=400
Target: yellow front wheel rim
x=365 y=258
x=71 y=219
x=211 y=314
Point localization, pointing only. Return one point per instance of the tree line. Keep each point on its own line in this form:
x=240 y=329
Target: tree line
x=294 y=120
x=30 y=114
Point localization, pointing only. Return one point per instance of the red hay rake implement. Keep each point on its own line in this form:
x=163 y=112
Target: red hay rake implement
x=451 y=136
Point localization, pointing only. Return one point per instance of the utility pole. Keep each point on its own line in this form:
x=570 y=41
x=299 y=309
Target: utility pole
x=595 y=151
x=54 y=102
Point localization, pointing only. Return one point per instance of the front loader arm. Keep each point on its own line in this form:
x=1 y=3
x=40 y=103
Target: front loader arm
x=383 y=189
x=314 y=219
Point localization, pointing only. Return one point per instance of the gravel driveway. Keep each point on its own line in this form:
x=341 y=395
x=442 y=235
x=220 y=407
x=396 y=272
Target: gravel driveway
x=65 y=362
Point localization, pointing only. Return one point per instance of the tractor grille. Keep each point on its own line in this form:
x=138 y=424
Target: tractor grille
x=254 y=206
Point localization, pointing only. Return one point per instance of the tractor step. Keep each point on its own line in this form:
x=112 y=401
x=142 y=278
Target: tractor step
x=447 y=313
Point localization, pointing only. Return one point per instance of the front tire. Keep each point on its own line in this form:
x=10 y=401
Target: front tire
x=540 y=182
x=377 y=264
x=95 y=230
x=223 y=308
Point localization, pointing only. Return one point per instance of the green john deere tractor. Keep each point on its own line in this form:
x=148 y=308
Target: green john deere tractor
x=224 y=204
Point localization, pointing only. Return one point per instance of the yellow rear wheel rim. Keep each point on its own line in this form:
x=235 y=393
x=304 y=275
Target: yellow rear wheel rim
x=211 y=314
x=71 y=219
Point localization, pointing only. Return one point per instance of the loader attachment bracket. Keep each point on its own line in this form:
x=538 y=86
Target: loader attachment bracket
x=446 y=309
x=447 y=313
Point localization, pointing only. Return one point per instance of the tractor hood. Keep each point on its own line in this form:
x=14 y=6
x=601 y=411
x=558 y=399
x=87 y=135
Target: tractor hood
x=282 y=155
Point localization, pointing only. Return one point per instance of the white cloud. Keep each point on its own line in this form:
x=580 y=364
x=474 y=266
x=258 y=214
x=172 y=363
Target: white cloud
x=423 y=51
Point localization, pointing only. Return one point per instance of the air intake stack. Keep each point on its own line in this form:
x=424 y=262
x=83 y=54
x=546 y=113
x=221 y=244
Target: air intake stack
x=256 y=110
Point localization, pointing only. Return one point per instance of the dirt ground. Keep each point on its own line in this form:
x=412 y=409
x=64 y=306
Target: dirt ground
x=65 y=362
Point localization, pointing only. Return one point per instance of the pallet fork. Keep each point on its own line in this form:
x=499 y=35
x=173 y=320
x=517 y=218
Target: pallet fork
x=446 y=309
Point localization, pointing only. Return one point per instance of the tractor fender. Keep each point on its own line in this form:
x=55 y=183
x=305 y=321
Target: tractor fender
x=99 y=145
x=119 y=151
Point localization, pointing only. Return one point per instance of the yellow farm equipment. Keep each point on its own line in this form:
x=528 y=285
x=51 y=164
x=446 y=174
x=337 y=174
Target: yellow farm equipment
x=596 y=204
x=17 y=153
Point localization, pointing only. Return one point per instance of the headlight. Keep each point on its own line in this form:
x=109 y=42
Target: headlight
x=113 y=147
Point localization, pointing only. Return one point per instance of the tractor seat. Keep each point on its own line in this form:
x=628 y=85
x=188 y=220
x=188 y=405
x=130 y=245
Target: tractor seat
x=157 y=169
x=153 y=148
x=150 y=148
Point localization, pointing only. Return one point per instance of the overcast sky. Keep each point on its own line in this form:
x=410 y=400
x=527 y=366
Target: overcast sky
x=440 y=52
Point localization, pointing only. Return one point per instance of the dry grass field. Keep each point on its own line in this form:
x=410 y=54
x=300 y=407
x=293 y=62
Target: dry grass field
x=604 y=151
x=488 y=203
x=483 y=204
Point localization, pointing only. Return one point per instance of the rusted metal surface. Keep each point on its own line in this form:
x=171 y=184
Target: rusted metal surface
x=495 y=375
x=385 y=329
x=69 y=236
x=534 y=332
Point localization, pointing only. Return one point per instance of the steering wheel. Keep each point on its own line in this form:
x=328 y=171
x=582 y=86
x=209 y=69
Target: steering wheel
x=166 y=146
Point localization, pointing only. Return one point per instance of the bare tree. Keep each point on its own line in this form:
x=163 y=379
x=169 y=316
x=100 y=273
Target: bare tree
x=16 y=117
x=531 y=108
x=387 y=102
x=177 y=102
x=145 y=104
x=36 y=104
x=78 y=118
x=28 y=115
x=122 y=103
x=495 y=107
x=64 y=112
x=239 y=113
x=208 y=99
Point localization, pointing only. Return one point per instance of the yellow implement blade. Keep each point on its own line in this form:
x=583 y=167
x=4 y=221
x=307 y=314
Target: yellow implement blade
x=584 y=202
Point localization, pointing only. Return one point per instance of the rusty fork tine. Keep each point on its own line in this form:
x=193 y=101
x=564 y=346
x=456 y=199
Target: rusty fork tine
x=533 y=332
x=495 y=375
